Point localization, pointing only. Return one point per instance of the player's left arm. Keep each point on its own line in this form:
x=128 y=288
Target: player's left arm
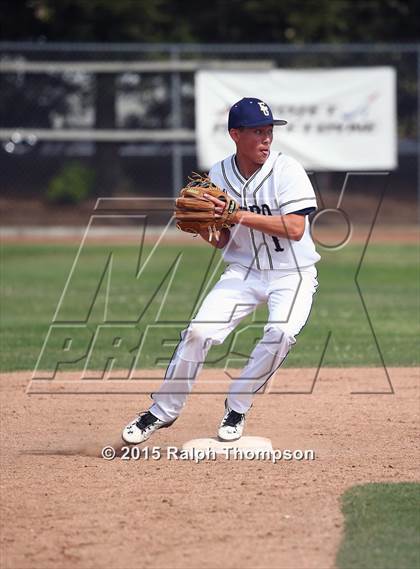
x=291 y=225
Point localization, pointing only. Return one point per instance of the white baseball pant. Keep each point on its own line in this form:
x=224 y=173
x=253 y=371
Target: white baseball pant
x=239 y=291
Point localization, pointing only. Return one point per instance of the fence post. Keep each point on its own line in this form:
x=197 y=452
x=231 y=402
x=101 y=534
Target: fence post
x=176 y=120
x=418 y=132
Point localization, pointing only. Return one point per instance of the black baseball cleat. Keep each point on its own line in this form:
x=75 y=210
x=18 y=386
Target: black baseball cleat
x=232 y=425
x=143 y=427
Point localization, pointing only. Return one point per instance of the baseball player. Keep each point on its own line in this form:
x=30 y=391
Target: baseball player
x=271 y=259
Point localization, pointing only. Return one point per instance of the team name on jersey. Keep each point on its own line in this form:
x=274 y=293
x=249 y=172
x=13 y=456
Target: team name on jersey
x=264 y=209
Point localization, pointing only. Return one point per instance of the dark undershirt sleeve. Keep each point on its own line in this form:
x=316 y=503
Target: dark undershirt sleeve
x=305 y=211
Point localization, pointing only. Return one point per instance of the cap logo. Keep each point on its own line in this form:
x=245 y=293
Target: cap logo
x=264 y=109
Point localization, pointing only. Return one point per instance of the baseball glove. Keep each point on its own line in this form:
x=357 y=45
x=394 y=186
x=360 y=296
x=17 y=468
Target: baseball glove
x=195 y=214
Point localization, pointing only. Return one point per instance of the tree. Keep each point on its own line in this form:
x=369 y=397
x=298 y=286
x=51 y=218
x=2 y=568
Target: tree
x=227 y=21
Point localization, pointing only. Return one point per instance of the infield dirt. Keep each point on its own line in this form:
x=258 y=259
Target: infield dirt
x=63 y=506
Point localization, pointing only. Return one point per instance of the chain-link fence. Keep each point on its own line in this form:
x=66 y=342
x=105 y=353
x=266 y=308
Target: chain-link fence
x=119 y=118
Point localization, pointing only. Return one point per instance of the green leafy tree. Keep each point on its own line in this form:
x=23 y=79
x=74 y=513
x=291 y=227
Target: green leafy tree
x=228 y=21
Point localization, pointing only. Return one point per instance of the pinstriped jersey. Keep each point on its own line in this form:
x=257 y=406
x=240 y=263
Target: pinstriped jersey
x=279 y=187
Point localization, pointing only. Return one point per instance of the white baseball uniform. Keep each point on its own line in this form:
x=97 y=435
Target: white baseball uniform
x=261 y=269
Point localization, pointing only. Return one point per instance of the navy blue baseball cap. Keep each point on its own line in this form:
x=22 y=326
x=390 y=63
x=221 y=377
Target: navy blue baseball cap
x=250 y=112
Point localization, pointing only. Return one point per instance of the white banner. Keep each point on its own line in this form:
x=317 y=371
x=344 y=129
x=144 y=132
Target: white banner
x=338 y=119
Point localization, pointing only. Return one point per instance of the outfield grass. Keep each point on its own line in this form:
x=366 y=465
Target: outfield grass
x=34 y=276
x=382 y=527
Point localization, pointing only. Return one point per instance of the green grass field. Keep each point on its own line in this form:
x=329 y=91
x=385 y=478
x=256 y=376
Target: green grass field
x=382 y=527
x=34 y=276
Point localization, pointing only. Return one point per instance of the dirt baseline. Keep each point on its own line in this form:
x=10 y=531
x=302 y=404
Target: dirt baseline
x=63 y=506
